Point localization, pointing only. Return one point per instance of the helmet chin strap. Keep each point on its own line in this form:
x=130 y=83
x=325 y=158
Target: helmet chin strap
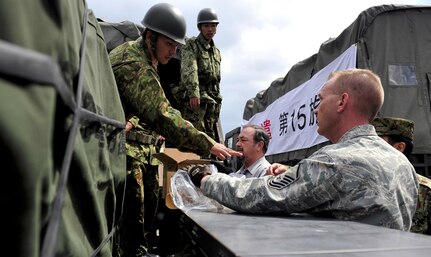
x=153 y=43
x=153 y=40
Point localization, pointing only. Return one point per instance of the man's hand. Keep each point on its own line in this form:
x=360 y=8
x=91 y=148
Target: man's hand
x=195 y=102
x=197 y=172
x=222 y=152
x=276 y=168
x=128 y=127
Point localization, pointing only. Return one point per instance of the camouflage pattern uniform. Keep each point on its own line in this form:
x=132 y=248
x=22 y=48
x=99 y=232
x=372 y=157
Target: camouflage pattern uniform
x=142 y=180
x=360 y=178
x=422 y=217
x=200 y=77
x=152 y=115
x=390 y=126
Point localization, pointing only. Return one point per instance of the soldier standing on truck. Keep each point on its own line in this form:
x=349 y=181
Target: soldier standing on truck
x=199 y=89
x=149 y=115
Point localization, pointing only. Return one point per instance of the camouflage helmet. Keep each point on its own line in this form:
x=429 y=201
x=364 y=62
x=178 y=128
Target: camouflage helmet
x=207 y=15
x=167 y=20
x=389 y=126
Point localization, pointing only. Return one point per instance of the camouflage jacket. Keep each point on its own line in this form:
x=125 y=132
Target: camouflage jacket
x=360 y=178
x=422 y=217
x=200 y=69
x=143 y=97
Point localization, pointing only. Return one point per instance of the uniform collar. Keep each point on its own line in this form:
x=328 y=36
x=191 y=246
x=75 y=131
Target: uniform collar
x=252 y=168
x=204 y=42
x=361 y=130
x=141 y=44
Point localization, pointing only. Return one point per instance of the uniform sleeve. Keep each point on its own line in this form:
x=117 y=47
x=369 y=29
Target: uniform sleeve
x=303 y=187
x=189 y=70
x=145 y=95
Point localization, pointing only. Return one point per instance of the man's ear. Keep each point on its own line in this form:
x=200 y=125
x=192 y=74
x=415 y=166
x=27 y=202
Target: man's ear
x=342 y=103
x=400 y=146
x=147 y=36
x=261 y=144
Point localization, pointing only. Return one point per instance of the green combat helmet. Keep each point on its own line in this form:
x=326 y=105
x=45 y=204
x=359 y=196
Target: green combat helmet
x=167 y=20
x=207 y=15
x=389 y=126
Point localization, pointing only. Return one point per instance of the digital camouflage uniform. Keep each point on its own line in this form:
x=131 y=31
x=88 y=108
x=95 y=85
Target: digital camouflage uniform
x=35 y=124
x=422 y=217
x=359 y=178
x=200 y=77
x=152 y=115
x=390 y=126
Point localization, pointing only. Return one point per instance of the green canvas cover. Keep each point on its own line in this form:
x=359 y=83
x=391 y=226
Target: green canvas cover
x=116 y=33
x=392 y=40
x=36 y=121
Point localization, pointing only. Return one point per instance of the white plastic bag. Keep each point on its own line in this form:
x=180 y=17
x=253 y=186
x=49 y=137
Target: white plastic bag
x=188 y=197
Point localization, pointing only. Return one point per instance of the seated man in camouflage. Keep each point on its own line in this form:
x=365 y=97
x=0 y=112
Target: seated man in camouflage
x=399 y=133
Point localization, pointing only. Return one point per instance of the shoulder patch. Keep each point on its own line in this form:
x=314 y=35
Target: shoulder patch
x=281 y=181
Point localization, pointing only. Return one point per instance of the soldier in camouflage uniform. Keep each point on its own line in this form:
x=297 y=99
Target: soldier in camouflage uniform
x=199 y=89
x=399 y=133
x=359 y=177
x=150 y=115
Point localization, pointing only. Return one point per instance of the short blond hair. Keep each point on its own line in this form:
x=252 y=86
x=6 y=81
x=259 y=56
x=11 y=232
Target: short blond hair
x=365 y=86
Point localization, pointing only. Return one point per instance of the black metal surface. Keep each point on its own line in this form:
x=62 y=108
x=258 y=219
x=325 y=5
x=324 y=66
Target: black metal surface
x=216 y=234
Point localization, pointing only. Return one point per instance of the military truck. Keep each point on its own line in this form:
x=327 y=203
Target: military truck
x=391 y=40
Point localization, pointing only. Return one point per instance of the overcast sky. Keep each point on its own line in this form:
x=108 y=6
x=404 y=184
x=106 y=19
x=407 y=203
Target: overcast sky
x=259 y=40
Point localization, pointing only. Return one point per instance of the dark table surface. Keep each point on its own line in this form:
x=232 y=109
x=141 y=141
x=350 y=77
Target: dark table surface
x=233 y=234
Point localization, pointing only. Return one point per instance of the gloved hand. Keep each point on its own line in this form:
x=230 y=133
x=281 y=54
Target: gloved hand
x=197 y=172
x=222 y=168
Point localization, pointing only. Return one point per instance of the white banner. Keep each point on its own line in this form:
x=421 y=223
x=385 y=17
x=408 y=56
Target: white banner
x=290 y=120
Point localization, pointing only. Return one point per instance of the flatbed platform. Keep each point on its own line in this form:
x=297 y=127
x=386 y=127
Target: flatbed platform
x=233 y=234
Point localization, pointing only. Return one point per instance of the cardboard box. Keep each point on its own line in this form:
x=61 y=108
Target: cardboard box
x=172 y=160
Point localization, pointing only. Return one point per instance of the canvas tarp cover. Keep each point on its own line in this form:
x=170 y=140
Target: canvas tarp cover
x=392 y=40
x=116 y=33
x=36 y=123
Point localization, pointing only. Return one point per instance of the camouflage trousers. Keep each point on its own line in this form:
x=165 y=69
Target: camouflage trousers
x=203 y=118
x=136 y=234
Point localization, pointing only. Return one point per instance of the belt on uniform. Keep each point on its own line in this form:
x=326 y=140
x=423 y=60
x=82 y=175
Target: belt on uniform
x=141 y=138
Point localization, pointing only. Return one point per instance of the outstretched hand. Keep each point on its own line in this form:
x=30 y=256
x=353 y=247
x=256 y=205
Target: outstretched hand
x=196 y=172
x=222 y=152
